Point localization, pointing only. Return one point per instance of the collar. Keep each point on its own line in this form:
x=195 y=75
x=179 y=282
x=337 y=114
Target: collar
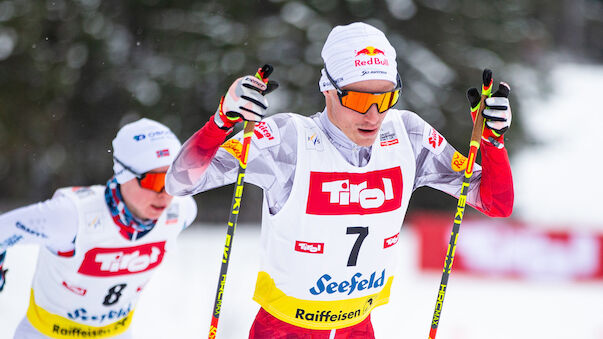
x=354 y=154
x=130 y=227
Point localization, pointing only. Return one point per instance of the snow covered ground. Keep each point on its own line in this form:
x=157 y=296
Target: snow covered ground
x=178 y=302
x=555 y=182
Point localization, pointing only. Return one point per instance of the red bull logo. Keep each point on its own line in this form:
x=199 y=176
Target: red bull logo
x=375 y=57
x=370 y=50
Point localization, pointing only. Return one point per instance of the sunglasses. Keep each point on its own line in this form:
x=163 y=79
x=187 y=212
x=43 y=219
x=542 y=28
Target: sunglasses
x=154 y=181
x=362 y=101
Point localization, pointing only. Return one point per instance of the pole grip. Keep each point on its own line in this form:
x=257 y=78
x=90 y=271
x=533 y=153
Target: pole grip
x=263 y=73
x=249 y=125
x=478 y=126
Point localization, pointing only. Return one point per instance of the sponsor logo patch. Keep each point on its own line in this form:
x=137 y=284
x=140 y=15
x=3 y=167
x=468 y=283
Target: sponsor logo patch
x=387 y=137
x=459 y=162
x=22 y=227
x=154 y=135
x=313 y=140
x=322 y=316
x=337 y=193
x=93 y=221
x=82 y=314
x=77 y=290
x=163 y=134
x=357 y=282
x=370 y=50
x=234 y=147
x=106 y=262
x=391 y=241
x=266 y=134
x=370 y=56
x=309 y=247
x=432 y=140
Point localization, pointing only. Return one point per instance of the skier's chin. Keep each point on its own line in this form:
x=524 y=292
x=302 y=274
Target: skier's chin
x=366 y=136
x=153 y=212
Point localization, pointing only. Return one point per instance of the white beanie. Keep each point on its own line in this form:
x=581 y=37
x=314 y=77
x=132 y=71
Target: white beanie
x=357 y=52
x=143 y=145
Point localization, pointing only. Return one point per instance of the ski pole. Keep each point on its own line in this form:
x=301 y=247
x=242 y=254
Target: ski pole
x=476 y=136
x=262 y=74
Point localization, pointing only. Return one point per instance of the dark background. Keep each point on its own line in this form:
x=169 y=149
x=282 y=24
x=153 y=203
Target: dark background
x=73 y=72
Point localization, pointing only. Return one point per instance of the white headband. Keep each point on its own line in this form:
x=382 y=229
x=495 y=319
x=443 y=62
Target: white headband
x=357 y=52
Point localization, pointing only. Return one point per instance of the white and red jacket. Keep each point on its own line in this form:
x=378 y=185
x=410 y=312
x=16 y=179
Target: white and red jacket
x=332 y=209
x=89 y=276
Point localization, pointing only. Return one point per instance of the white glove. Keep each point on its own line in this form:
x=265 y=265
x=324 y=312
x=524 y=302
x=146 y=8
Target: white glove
x=244 y=101
x=497 y=113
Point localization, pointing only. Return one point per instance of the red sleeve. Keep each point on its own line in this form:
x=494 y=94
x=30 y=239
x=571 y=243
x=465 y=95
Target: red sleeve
x=210 y=136
x=194 y=158
x=496 y=187
x=203 y=145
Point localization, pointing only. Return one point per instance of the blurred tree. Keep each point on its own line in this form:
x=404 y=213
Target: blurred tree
x=72 y=72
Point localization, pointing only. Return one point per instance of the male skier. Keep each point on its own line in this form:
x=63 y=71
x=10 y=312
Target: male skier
x=337 y=185
x=100 y=244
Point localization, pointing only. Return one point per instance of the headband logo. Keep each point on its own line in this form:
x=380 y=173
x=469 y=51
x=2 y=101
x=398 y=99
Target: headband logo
x=370 y=50
x=375 y=57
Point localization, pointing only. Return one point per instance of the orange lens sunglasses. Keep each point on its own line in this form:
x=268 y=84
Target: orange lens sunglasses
x=154 y=181
x=361 y=102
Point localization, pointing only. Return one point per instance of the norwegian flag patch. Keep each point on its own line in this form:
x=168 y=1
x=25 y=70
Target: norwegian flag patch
x=163 y=153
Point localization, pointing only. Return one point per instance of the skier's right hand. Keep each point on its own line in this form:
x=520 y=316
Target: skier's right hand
x=244 y=101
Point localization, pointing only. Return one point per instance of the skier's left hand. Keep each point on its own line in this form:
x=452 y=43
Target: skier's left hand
x=497 y=113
